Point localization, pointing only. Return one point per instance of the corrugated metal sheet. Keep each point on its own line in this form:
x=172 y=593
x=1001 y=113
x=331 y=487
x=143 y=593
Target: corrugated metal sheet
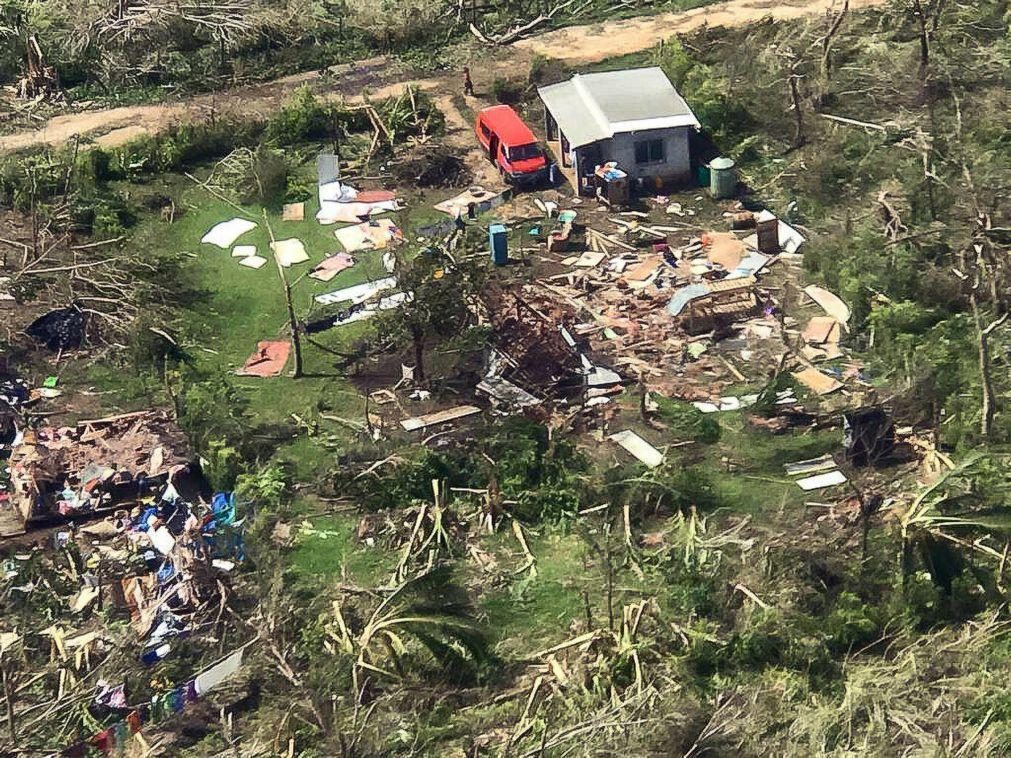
x=327 y=169
x=592 y=107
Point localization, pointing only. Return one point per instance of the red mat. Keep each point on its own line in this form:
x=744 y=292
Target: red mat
x=268 y=359
x=375 y=196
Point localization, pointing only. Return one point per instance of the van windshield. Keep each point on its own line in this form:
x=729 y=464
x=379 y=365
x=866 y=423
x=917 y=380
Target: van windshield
x=523 y=152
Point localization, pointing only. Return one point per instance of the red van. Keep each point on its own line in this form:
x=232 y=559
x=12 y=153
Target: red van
x=511 y=145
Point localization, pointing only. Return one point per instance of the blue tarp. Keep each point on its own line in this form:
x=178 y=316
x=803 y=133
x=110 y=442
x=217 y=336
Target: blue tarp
x=684 y=296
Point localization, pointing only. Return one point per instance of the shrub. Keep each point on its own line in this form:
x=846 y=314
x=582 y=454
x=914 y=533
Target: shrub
x=505 y=91
x=222 y=465
x=544 y=71
x=301 y=119
x=850 y=625
x=266 y=487
x=267 y=181
x=104 y=215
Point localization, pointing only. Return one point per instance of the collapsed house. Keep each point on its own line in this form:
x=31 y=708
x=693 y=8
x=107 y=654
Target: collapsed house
x=634 y=118
x=94 y=467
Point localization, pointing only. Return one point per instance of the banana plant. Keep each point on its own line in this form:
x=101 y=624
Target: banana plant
x=420 y=614
x=937 y=515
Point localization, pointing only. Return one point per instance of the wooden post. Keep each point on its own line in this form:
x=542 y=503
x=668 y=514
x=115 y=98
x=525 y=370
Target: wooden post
x=296 y=341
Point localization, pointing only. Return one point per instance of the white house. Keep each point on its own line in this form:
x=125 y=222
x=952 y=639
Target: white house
x=634 y=117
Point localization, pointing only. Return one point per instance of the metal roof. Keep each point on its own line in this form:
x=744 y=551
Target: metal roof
x=592 y=107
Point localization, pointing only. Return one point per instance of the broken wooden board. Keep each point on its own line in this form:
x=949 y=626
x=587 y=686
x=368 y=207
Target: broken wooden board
x=829 y=303
x=638 y=448
x=816 y=381
x=644 y=270
x=589 y=259
x=810 y=466
x=821 y=330
x=439 y=417
x=725 y=250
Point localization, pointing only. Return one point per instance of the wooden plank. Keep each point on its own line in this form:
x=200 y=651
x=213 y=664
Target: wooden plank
x=113 y=419
x=440 y=417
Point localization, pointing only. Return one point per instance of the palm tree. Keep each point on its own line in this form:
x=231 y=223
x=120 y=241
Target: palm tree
x=424 y=613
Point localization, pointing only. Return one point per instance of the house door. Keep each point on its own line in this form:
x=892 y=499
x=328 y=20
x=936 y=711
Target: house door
x=590 y=157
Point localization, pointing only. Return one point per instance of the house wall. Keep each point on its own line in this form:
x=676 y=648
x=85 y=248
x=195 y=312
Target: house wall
x=676 y=169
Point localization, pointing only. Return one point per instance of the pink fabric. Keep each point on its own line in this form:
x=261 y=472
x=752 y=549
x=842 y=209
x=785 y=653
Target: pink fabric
x=332 y=266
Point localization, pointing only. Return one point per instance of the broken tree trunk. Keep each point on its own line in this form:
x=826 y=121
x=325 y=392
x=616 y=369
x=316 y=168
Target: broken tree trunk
x=826 y=42
x=988 y=409
x=798 y=113
x=296 y=341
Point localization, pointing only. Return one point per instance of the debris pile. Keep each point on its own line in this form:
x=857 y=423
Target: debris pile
x=164 y=565
x=82 y=471
x=432 y=168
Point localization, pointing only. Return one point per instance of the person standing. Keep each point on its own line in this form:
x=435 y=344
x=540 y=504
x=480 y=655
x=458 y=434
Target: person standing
x=468 y=84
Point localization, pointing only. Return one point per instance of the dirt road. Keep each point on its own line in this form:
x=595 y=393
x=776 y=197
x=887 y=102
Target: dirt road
x=596 y=42
x=574 y=45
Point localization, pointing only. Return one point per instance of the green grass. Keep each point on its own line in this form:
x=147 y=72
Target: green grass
x=533 y=612
x=231 y=308
x=318 y=558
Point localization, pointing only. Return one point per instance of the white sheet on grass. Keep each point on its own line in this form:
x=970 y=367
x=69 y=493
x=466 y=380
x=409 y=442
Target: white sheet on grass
x=371 y=235
x=253 y=261
x=638 y=447
x=289 y=252
x=352 y=213
x=335 y=192
x=358 y=293
x=387 y=303
x=224 y=234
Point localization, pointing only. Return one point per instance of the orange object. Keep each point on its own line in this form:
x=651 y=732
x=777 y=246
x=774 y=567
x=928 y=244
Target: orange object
x=268 y=359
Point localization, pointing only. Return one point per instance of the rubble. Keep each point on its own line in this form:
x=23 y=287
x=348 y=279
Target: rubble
x=91 y=468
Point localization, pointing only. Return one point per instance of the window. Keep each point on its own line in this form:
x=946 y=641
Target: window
x=524 y=152
x=649 y=151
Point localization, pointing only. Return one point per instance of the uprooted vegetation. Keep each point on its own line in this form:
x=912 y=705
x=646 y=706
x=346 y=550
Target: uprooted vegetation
x=524 y=585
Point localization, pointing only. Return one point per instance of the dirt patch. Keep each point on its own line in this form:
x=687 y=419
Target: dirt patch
x=596 y=42
x=435 y=168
